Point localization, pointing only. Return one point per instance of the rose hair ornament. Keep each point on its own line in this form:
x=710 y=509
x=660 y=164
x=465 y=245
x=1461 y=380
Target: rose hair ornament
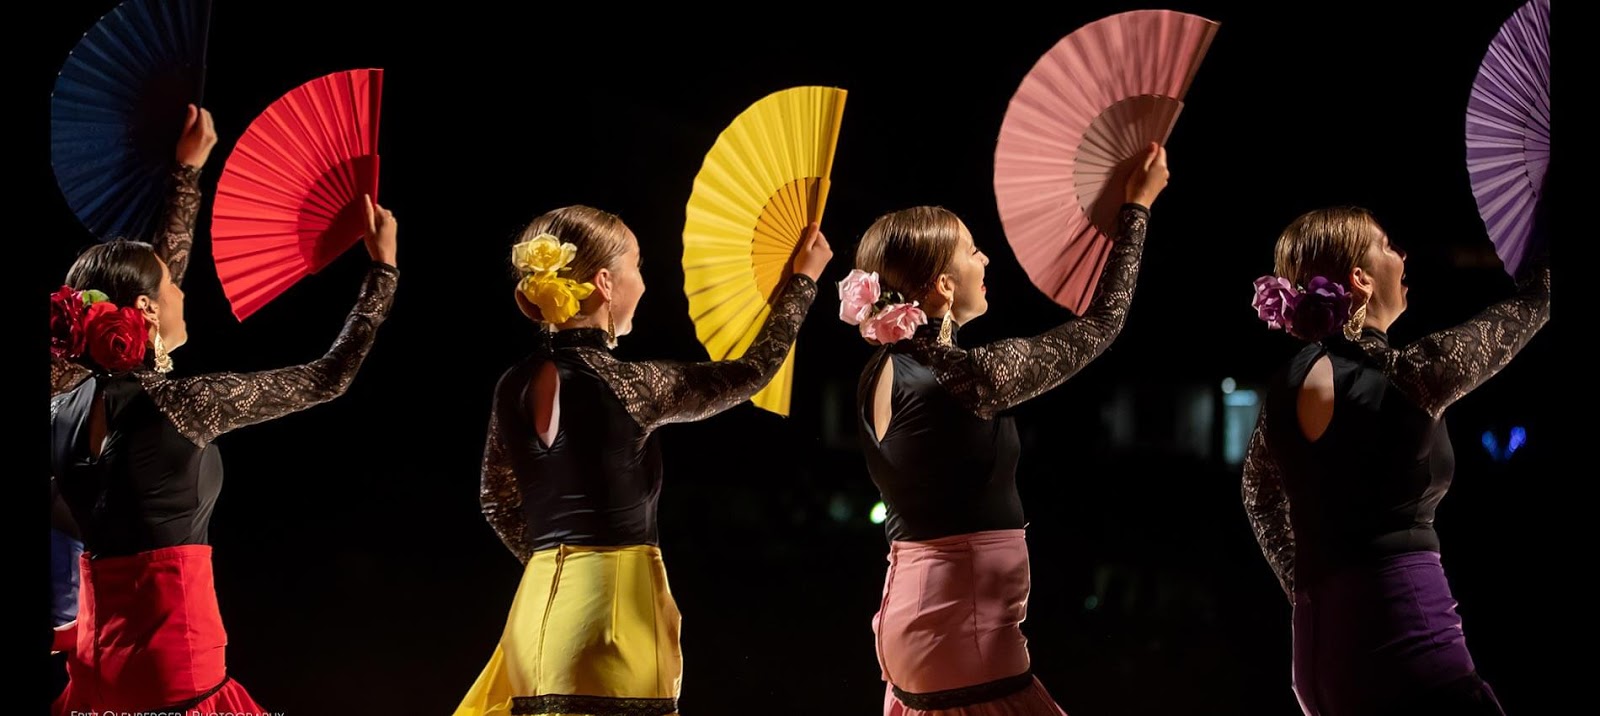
x=882 y=316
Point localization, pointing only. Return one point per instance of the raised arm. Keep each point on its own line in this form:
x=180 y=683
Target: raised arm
x=206 y=406
x=992 y=378
x=175 y=237
x=1440 y=368
x=661 y=392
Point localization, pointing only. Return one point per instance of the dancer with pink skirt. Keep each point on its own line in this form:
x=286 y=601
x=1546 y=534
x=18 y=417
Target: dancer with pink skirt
x=949 y=630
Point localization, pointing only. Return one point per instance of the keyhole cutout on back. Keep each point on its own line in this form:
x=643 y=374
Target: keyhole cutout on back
x=1315 y=406
x=546 y=399
x=883 y=400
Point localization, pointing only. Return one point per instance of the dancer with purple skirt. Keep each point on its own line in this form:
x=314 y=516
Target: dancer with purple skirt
x=1350 y=458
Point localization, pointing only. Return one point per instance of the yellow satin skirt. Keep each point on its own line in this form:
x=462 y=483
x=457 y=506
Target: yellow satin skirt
x=593 y=631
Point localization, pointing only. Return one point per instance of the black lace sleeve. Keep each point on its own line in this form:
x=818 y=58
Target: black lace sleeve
x=176 y=235
x=206 y=406
x=1439 y=369
x=660 y=392
x=1000 y=375
x=1267 y=505
x=498 y=491
x=65 y=375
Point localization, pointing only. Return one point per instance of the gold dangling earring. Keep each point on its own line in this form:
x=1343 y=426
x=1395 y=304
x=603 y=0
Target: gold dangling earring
x=163 y=359
x=611 y=327
x=947 y=329
x=1352 y=327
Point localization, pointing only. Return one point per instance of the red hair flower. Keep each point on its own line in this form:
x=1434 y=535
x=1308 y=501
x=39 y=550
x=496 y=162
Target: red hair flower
x=117 y=338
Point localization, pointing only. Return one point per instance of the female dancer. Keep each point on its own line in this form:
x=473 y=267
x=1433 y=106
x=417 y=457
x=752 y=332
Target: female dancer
x=173 y=238
x=1349 y=459
x=133 y=454
x=948 y=630
x=572 y=472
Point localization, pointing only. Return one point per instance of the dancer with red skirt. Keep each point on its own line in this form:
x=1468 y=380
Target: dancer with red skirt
x=133 y=453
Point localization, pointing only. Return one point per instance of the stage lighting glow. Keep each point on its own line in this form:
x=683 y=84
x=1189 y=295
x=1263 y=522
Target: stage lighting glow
x=880 y=512
x=1519 y=436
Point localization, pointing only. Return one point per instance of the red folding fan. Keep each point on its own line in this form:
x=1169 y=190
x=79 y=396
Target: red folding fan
x=289 y=200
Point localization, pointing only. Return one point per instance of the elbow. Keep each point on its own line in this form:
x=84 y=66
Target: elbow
x=1100 y=327
x=325 y=392
x=748 y=379
x=329 y=380
x=1111 y=328
x=341 y=385
x=1102 y=334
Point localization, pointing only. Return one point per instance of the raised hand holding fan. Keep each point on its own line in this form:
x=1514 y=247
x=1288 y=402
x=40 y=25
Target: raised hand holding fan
x=118 y=108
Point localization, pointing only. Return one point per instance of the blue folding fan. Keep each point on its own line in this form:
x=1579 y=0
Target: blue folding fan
x=118 y=109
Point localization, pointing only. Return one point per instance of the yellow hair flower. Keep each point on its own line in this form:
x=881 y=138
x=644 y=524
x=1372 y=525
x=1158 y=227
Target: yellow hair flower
x=542 y=254
x=540 y=259
x=556 y=297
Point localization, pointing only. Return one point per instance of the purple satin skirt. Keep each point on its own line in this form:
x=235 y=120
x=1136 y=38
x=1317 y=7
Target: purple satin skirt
x=1385 y=638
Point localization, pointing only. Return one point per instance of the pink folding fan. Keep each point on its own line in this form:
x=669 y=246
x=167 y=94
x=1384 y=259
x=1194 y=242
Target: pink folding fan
x=1084 y=114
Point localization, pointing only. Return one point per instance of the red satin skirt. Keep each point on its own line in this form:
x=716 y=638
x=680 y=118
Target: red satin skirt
x=150 y=638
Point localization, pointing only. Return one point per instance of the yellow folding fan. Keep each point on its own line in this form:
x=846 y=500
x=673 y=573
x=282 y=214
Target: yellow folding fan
x=762 y=183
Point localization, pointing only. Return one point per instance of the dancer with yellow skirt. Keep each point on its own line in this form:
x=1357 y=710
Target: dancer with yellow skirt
x=572 y=473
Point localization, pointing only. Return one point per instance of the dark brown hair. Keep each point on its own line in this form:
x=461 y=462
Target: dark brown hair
x=122 y=270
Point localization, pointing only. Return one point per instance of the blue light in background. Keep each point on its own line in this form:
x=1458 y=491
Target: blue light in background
x=1491 y=444
x=1238 y=421
x=1239 y=399
x=1519 y=436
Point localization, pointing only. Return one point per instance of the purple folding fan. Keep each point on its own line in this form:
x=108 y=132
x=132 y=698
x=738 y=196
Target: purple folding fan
x=1508 y=130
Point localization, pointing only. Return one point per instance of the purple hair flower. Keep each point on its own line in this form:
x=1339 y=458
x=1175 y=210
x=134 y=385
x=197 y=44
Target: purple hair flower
x=1274 y=294
x=1321 y=310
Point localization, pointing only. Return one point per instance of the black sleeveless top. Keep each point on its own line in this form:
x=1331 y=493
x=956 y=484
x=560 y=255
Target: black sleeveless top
x=947 y=464
x=158 y=473
x=1369 y=486
x=598 y=482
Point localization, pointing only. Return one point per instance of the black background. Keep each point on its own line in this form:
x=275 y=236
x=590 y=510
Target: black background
x=356 y=574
